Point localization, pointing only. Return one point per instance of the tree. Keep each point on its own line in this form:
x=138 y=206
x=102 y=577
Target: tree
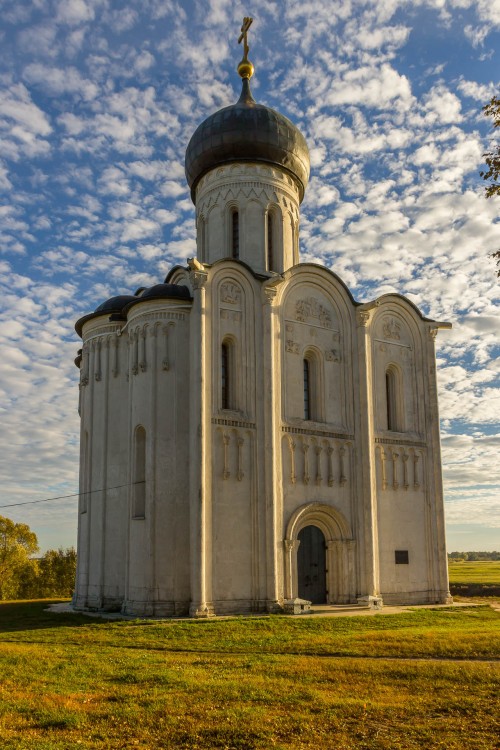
x=492 y=159
x=57 y=570
x=17 y=543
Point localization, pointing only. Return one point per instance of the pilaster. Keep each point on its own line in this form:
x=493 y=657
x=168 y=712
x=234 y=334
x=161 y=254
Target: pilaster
x=200 y=479
x=271 y=412
x=367 y=511
x=438 y=561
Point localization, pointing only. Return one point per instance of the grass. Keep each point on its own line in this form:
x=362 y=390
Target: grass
x=421 y=679
x=483 y=571
x=474 y=578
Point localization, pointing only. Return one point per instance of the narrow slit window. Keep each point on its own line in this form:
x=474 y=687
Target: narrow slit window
x=225 y=376
x=270 y=247
x=235 y=235
x=391 y=400
x=139 y=486
x=307 y=390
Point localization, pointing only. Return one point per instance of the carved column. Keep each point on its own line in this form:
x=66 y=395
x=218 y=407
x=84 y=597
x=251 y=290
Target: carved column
x=416 y=483
x=384 y=471
x=331 y=480
x=240 y=474
x=225 y=442
x=305 y=451
x=317 y=450
x=291 y=546
x=404 y=456
x=291 y=445
x=395 y=456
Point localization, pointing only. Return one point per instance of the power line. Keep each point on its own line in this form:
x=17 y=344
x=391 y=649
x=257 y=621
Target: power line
x=75 y=494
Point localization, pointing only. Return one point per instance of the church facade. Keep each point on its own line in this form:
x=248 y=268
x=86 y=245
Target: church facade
x=250 y=434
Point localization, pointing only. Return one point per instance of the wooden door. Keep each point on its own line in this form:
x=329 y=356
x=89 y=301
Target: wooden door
x=311 y=565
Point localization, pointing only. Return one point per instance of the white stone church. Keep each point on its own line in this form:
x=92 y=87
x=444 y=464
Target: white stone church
x=262 y=435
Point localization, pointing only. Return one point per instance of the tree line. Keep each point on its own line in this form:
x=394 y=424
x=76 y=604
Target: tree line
x=473 y=556
x=23 y=576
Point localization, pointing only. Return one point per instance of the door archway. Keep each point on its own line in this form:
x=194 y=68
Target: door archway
x=328 y=525
x=311 y=565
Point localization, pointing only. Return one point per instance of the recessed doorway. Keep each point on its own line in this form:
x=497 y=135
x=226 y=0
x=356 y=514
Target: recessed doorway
x=311 y=565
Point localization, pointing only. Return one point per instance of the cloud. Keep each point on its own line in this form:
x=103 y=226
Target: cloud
x=74 y=12
x=57 y=81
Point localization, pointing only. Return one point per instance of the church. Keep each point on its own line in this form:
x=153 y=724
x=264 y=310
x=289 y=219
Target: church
x=250 y=434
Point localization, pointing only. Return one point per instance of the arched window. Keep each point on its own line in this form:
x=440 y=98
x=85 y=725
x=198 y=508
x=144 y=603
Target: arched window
x=225 y=375
x=235 y=234
x=392 y=394
x=270 y=242
x=307 y=389
x=139 y=475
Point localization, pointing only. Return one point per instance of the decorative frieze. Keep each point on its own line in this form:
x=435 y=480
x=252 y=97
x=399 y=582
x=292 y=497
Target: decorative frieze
x=318 y=433
x=399 y=462
x=316 y=460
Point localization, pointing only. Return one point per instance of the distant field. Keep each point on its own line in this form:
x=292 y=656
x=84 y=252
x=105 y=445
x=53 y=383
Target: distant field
x=472 y=579
x=422 y=679
x=487 y=572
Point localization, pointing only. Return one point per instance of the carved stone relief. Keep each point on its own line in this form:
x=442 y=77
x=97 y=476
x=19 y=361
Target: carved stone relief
x=391 y=329
x=310 y=307
x=230 y=293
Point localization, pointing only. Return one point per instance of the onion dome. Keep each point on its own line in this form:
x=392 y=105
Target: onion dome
x=247 y=132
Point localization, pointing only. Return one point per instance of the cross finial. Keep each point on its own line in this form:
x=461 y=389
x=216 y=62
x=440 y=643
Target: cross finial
x=247 y=22
x=245 y=68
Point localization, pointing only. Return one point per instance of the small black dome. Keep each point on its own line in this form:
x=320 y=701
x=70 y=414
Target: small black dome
x=247 y=131
x=161 y=291
x=115 y=304
x=175 y=291
x=112 y=306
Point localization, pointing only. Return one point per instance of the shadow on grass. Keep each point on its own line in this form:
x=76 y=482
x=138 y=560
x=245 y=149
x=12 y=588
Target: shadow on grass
x=32 y=615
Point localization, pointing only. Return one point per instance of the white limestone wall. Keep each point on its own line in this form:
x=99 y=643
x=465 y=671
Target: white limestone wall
x=255 y=191
x=158 y=567
x=407 y=457
x=238 y=521
x=103 y=511
x=319 y=455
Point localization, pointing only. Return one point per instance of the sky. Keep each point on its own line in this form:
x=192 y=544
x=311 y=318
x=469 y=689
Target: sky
x=98 y=100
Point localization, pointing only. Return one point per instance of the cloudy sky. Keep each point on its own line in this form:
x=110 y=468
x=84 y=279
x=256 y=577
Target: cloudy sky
x=98 y=100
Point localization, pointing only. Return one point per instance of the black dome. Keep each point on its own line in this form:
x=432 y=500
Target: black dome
x=162 y=291
x=115 y=304
x=247 y=131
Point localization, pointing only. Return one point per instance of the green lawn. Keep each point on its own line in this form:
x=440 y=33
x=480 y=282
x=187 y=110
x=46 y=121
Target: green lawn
x=423 y=679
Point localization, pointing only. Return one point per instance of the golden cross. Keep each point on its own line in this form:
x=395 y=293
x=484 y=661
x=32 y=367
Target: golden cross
x=247 y=22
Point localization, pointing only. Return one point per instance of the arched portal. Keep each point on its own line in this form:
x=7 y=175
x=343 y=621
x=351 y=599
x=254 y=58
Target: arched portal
x=311 y=565
x=319 y=529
